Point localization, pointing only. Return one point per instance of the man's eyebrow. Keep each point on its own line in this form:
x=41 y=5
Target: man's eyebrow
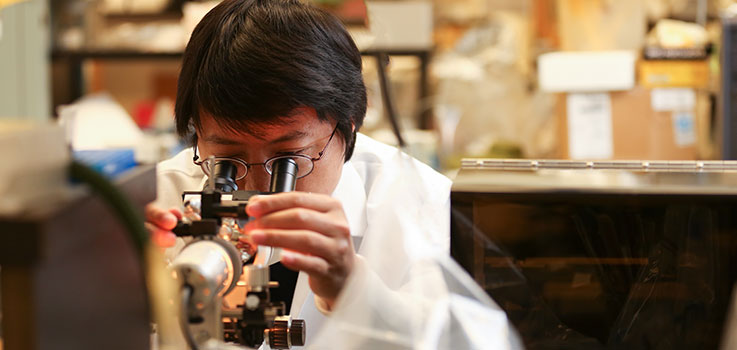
x=290 y=136
x=221 y=140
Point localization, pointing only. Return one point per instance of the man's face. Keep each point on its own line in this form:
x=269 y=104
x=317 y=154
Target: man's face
x=303 y=134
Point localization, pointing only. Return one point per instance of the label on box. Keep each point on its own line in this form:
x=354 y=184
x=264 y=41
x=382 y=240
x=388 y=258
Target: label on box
x=673 y=99
x=589 y=126
x=683 y=129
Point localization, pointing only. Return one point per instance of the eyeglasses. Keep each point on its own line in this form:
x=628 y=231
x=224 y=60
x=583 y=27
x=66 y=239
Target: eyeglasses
x=305 y=163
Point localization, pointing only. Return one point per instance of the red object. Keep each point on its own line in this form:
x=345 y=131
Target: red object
x=144 y=113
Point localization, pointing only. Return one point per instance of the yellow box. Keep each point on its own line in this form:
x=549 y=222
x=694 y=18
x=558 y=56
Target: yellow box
x=673 y=73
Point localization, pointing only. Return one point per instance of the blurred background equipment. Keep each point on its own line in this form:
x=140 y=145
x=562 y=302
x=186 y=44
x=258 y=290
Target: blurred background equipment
x=728 y=96
x=467 y=78
x=72 y=277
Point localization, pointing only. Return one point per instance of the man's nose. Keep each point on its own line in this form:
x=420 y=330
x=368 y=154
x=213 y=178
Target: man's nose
x=257 y=180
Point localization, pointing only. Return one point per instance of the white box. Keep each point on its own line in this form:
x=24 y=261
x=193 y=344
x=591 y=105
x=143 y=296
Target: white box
x=400 y=25
x=34 y=165
x=587 y=71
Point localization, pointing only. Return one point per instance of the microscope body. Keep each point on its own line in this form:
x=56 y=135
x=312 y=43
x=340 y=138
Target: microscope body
x=208 y=269
x=211 y=265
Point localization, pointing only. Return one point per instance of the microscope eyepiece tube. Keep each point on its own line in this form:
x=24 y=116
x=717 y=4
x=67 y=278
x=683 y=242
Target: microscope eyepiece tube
x=224 y=173
x=283 y=175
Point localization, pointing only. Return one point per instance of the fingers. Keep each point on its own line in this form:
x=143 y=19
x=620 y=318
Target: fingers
x=303 y=219
x=176 y=213
x=312 y=265
x=163 y=219
x=314 y=233
x=262 y=205
x=159 y=223
x=307 y=242
x=161 y=238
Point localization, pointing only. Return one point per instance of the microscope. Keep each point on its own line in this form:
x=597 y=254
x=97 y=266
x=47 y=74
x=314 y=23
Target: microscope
x=212 y=263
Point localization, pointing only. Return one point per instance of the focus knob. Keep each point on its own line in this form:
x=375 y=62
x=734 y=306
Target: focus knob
x=285 y=333
x=297 y=332
x=279 y=335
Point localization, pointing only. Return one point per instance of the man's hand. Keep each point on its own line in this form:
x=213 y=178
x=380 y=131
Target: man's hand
x=314 y=233
x=159 y=223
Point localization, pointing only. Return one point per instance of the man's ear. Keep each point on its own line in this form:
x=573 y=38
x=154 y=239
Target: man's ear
x=353 y=127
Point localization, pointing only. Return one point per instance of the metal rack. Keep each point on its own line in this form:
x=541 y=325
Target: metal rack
x=653 y=165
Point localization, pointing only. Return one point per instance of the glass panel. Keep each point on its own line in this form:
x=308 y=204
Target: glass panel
x=647 y=268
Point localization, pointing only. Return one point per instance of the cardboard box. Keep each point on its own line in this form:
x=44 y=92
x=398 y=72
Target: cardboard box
x=585 y=25
x=639 y=124
x=674 y=73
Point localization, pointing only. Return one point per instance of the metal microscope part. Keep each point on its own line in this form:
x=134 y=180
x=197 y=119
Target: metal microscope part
x=256 y=277
x=211 y=267
x=283 y=175
x=286 y=333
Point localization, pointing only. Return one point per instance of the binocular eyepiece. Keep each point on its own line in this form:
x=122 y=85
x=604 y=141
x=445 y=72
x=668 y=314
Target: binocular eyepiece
x=283 y=176
x=224 y=174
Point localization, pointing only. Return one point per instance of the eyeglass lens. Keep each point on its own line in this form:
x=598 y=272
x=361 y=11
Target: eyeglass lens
x=304 y=165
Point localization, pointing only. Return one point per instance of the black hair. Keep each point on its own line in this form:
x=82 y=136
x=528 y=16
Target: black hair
x=252 y=62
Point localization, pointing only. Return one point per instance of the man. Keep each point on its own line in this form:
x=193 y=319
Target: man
x=268 y=78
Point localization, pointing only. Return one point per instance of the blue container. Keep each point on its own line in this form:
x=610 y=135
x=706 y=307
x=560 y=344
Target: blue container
x=110 y=163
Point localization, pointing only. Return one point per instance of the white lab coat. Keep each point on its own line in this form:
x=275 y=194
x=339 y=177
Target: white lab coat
x=363 y=190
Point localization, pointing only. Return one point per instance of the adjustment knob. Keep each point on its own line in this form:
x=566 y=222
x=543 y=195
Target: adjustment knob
x=279 y=335
x=285 y=333
x=297 y=333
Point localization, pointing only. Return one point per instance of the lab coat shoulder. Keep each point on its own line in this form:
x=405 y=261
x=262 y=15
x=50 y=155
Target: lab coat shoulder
x=401 y=185
x=175 y=175
x=377 y=162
